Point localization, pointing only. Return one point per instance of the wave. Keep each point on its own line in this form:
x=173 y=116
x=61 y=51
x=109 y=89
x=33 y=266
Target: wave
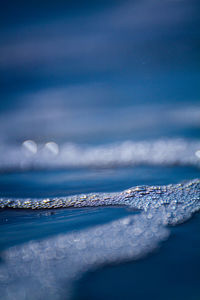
x=138 y=197
x=49 y=268
x=167 y=152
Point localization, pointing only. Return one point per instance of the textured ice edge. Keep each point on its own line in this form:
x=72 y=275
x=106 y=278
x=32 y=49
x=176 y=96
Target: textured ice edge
x=48 y=268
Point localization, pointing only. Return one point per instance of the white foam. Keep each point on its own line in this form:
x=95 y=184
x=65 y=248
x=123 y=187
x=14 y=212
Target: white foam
x=167 y=152
x=49 y=268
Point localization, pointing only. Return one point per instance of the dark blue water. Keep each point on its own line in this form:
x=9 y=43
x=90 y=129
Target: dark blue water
x=170 y=272
x=71 y=182
x=101 y=74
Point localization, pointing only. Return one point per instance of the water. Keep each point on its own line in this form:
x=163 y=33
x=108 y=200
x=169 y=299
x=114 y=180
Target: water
x=47 y=223
x=96 y=99
x=174 y=268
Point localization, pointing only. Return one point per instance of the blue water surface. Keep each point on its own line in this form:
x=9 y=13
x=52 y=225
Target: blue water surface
x=98 y=73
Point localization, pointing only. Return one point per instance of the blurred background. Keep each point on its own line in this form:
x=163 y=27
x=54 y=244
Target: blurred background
x=99 y=96
x=91 y=86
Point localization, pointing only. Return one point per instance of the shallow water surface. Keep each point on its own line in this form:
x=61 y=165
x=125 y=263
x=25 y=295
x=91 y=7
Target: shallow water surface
x=21 y=226
x=99 y=150
x=171 y=272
